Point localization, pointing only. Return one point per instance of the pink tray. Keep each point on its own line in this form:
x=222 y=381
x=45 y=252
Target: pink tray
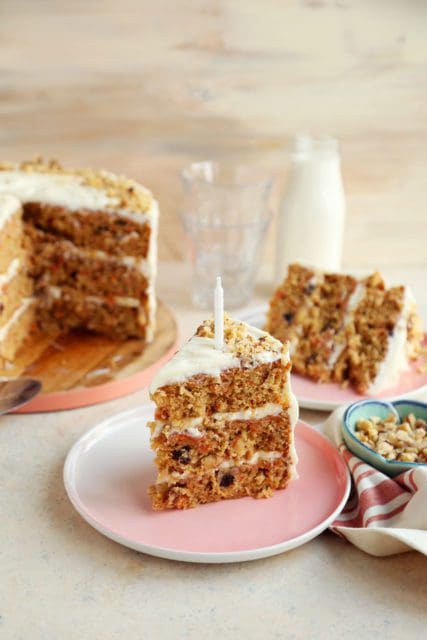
x=82 y=369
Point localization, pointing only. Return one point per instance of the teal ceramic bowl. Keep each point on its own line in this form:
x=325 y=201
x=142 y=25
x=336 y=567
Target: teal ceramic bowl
x=369 y=408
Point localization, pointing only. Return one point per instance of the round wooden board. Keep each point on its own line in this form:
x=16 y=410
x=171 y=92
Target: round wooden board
x=81 y=369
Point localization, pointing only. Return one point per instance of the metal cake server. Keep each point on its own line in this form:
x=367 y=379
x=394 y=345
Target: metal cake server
x=15 y=392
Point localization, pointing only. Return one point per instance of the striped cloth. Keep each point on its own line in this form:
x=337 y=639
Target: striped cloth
x=383 y=515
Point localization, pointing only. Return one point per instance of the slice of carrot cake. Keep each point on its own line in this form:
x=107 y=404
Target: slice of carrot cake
x=92 y=239
x=224 y=419
x=345 y=329
x=16 y=288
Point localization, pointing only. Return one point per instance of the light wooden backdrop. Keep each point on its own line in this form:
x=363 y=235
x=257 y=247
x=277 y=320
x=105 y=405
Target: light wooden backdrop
x=144 y=87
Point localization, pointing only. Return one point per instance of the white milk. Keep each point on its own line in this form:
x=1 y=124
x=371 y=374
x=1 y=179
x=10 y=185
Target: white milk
x=311 y=221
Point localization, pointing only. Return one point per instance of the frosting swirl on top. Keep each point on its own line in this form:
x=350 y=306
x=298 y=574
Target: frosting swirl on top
x=49 y=182
x=244 y=346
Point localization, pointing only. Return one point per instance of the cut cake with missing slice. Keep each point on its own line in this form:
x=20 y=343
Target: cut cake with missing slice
x=92 y=243
x=224 y=420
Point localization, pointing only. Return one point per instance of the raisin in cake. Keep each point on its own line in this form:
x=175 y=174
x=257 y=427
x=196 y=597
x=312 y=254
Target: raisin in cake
x=224 y=419
x=344 y=329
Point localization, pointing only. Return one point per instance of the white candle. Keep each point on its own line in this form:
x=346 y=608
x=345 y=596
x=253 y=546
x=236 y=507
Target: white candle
x=219 y=314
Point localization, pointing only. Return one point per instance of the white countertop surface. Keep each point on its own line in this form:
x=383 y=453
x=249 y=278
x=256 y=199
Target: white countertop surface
x=61 y=579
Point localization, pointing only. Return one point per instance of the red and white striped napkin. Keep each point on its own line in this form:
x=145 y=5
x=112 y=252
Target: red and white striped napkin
x=383 y=515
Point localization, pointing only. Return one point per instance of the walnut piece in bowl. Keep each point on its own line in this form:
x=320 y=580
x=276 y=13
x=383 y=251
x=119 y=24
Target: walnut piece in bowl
x=389 y=436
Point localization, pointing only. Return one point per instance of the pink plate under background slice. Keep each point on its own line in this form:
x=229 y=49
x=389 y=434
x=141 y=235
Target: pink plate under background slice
x=313 y=395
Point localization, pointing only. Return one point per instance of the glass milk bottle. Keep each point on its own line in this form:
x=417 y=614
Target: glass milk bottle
x=311 y=221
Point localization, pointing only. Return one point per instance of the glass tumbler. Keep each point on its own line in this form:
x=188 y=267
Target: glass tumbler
x=225 y=216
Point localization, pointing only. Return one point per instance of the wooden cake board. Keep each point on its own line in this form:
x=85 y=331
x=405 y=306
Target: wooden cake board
x=81 y=369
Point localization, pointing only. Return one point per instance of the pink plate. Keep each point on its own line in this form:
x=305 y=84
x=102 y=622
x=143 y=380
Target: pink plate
x=329 y=396
x=108 y=470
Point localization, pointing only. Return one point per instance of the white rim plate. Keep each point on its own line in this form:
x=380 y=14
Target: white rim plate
x=107 y=472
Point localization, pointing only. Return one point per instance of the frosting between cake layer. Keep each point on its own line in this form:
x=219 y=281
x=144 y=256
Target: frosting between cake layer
x=121 y=301
x=9 y=205
x=257 y=456
x=191 y=424
x=11 y=272
x=225 y=464
x=4 y=330
x=64 y=190
x=145 y=266
x=396 y=360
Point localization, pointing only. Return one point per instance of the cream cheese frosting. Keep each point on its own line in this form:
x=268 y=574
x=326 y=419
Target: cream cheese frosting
x=199 y=356
x=64 y=190
x=396 y=360
x=4 y=330
x=225 y=464
x=145 y=266
x=122 y=301
x=190 y=425
x=10 y=273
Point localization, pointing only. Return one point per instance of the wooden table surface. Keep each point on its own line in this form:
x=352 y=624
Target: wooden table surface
x=61 y=579
x=144 y=87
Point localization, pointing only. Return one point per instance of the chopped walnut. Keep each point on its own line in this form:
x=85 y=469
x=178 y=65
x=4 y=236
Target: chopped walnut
x=125 y=193
x=240 y=341
x=404 y=441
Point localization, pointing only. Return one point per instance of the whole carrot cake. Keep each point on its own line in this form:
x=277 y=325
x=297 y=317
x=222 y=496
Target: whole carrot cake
x=345 y=329
x=224 y=419
x=90 y=247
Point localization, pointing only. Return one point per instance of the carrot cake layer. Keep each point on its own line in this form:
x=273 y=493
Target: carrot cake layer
x=110 y=231
x=60 y=309
x=344 y=329
x=60 y=263
x=257 y=479
x=224 y=419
